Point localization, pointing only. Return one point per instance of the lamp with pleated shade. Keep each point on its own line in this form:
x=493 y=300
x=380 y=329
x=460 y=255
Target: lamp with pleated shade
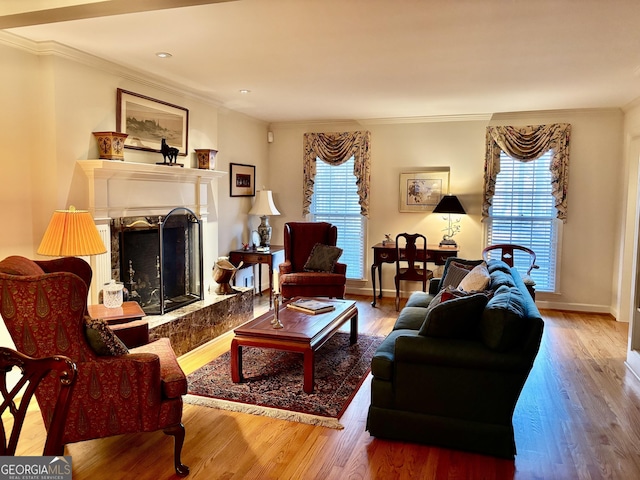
x=71 y=233
x=450 y=205
x=263 y=207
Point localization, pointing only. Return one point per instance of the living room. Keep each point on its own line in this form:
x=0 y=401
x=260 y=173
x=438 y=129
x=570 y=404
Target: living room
x=54 y=97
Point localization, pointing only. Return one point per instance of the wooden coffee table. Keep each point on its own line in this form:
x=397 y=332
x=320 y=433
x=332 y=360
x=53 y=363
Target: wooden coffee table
x=302 y=333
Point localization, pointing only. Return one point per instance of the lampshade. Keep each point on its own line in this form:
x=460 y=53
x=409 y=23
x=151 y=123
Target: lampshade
x=449 y=204
x=264 y=204
x=71 y=233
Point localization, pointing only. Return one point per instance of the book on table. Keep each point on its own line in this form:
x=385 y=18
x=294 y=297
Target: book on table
x=311 y=306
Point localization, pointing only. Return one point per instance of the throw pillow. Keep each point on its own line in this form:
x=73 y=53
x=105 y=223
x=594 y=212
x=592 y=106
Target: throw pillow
x=477 y=279
x=455 y=318
x=322 y=258
x=455 y=274
x=102 y=339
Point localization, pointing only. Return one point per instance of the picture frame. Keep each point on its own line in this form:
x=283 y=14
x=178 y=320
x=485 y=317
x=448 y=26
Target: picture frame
x=147 y=121
x=421 y=190
x=242 y=180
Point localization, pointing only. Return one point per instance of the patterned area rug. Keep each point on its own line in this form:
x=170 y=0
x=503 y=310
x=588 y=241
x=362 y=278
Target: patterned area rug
x=272 y=383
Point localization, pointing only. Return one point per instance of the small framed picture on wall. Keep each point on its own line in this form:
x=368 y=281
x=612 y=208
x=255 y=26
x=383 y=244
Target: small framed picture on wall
x=242 y=180
x=421 y=190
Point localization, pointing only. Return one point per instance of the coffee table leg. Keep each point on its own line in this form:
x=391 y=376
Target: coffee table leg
x=236 y=361
x=354 y=330
x=309 y=379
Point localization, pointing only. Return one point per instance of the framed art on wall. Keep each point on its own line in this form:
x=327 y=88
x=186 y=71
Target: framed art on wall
x=147 y=121
x=421 y=190
x=242 y=180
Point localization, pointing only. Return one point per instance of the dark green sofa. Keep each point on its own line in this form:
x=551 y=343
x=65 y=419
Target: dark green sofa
x=452 y=389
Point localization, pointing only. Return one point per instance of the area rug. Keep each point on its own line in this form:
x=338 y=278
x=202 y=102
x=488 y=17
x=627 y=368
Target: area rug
x=272 y=383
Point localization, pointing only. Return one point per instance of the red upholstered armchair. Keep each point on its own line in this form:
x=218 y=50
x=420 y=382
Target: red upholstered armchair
x=299 y=240
x=43 y=304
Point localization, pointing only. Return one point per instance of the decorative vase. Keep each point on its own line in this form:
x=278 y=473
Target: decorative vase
x=206 y=158
x=111 y=144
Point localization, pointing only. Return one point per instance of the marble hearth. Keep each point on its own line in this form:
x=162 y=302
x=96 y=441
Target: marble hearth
x=193 y=325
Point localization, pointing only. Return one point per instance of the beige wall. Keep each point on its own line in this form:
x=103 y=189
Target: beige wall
x=595 y=198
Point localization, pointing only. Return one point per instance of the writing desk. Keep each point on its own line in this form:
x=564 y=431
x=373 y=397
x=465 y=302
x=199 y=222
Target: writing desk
x=387 y=254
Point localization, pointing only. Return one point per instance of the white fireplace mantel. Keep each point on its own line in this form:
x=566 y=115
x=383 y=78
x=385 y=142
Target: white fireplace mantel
x=118 y=188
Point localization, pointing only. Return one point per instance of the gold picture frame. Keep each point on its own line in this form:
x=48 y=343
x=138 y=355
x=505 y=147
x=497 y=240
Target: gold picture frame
x=147 y=121
x=421 y=190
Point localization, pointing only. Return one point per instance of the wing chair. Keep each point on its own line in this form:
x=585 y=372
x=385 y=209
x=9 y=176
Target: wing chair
x=44 y=304
x=300 y=239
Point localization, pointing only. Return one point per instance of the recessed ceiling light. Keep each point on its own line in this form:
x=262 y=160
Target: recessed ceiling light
x=163 y=55
x=245 y=91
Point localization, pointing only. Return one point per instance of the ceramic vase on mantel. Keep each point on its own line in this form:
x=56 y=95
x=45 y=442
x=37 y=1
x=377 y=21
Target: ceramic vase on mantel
x=206 y=158
x=111 y=145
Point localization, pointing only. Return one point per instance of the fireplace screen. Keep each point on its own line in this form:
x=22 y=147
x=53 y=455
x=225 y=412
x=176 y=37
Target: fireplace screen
x=159 y=259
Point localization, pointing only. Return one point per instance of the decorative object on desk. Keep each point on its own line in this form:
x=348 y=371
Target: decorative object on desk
x=245 y=247
x=310 y=306
x=450 y=205
x=255 y=239
x=273 y=385
x=147 y=120
x=421 y=190
x=111 y=145
x=206 y=158
x=388 y=240
x=169 y=153
x=112 y=296
x=71 y=233
x=223 y=273
x=263 y=207
x=242 y=180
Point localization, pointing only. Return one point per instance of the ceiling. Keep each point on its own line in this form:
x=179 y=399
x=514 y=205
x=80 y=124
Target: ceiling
x=310 y=60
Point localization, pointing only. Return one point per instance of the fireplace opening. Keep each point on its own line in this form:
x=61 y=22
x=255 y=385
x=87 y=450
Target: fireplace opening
x=159 y=259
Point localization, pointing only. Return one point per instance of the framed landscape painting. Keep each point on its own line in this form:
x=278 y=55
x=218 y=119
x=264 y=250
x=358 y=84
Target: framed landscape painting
x=242 y=180
x=147 y=121
x=421 y=190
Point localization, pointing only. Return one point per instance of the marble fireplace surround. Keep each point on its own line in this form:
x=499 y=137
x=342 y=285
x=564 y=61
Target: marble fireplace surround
x=121 y=189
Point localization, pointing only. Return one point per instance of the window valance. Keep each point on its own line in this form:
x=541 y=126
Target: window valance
x=335 y=149
x=526 y=144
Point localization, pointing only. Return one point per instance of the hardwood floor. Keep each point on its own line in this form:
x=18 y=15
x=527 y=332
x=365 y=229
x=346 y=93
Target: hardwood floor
x=578 y=418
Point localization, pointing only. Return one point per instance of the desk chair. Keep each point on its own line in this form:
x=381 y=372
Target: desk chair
x=415 y=258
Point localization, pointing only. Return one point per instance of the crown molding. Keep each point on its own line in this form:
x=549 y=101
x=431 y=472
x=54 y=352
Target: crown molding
x=55 y=49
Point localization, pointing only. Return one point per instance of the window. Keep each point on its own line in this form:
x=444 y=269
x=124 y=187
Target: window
x=335 y=200
x=523 y=212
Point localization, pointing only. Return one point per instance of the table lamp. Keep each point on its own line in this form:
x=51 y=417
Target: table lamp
x=263 y=207
x=71 y=233
x=450 y=205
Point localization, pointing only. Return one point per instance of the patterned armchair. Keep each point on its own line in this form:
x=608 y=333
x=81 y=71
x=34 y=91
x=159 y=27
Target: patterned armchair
x=300 y=238
x=43 y=304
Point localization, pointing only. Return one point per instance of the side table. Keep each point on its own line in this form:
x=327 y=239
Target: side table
x=254 y=257
x=125 y=321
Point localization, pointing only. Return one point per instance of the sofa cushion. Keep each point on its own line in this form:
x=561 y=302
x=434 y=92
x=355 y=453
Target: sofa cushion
x=102 y=339
x=411 y=318
x=322 y=258
x=16 y=265
x=419 y=299
x=453 y=260
x=477 y=279
x=455 y=318
x=503 y=319
x=499 y=278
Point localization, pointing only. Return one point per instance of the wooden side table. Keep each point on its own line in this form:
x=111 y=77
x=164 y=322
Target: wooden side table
x=254 y=257
x=126 y=322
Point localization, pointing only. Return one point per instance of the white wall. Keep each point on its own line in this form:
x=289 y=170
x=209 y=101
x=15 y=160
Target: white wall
x=594 y=199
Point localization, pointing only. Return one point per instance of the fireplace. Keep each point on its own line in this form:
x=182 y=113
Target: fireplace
x=159 y=259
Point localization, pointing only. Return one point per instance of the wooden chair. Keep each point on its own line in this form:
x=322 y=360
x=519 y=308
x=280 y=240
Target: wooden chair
x=32 y=371
x=411 y=249
x=508 y=254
